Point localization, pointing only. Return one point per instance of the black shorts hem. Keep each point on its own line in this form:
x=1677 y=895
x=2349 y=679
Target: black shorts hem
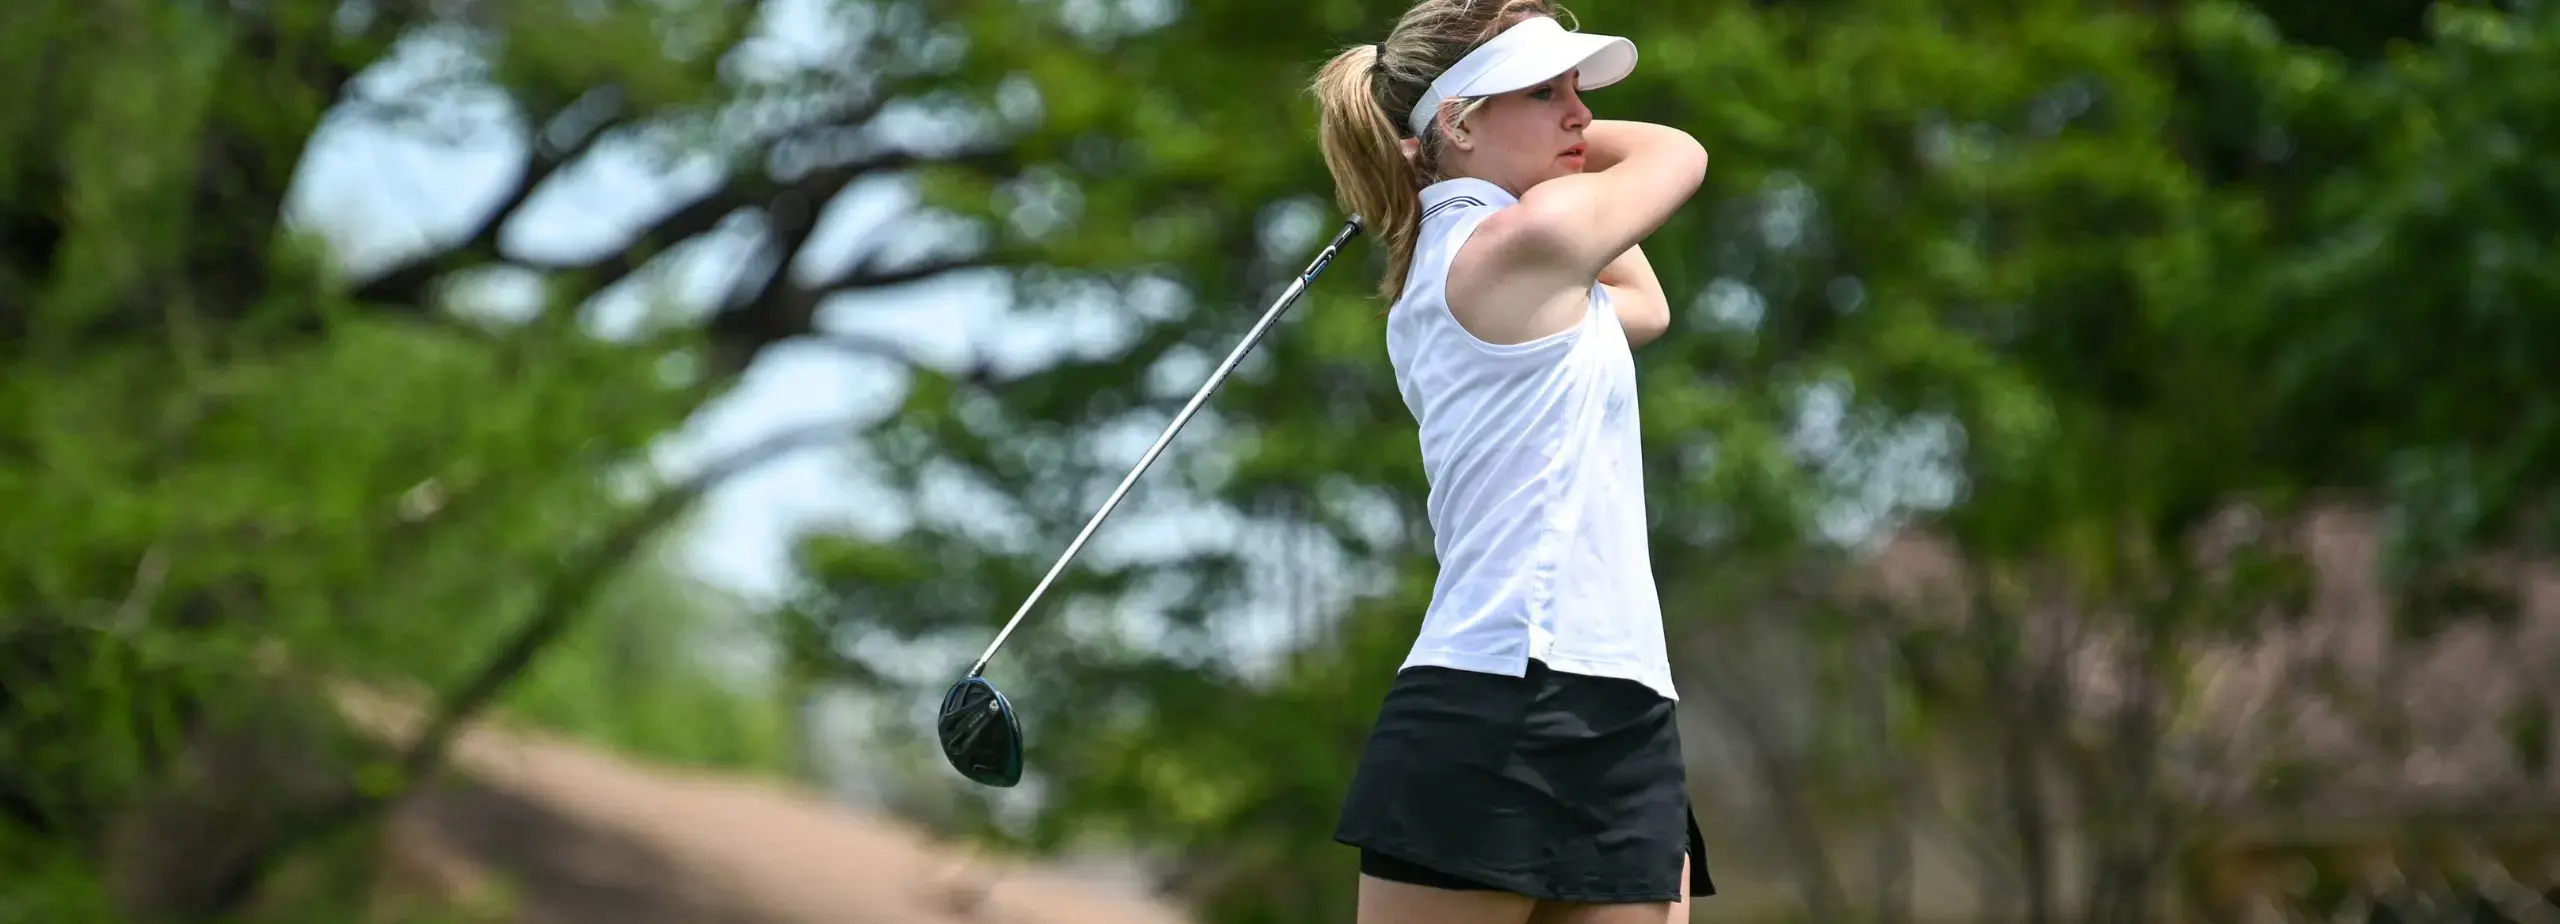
x=1390 y=864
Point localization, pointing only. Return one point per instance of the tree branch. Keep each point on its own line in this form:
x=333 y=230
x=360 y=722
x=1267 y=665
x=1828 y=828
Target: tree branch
x=406 y=284
x=869 y=275
x=568 y=594
x=867 y=347
x=699 y=216
x=759 y=312
x=775 y=309
x=561 y=602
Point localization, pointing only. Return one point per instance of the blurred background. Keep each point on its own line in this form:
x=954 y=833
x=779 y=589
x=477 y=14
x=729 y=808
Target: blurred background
x=475 y=461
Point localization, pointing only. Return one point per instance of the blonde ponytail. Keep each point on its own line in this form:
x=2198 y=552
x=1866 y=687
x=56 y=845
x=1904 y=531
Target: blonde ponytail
x=1371 y=176
x=1367 y=92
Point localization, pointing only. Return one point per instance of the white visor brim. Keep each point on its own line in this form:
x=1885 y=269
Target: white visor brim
x=1531 y=52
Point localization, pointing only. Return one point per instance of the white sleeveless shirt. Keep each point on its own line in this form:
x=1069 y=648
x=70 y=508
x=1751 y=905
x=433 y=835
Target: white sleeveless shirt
x=1536 y=470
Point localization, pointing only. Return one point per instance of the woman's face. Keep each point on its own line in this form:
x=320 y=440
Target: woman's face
x=1522 y=138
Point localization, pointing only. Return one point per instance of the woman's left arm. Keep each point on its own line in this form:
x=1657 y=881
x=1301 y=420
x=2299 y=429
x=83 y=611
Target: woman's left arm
x=1637 y=296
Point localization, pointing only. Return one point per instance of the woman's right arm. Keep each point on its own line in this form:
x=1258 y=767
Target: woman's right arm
x=1639 y=175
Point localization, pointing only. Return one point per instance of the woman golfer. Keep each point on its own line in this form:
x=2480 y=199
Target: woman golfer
x=1525 y=765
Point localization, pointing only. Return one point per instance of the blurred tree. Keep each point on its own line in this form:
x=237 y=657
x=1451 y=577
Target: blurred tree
x=2075 y=274
x=233 y=469
x=2057 y=280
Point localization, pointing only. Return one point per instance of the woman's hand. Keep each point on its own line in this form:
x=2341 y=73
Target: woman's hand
x=1607 y=141
x=1635 y=176
x=1540 y=257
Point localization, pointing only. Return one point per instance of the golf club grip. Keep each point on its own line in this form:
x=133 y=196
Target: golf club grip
x=1297 y=287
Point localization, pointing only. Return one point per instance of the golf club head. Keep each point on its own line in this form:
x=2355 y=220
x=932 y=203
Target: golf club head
x=980 y=735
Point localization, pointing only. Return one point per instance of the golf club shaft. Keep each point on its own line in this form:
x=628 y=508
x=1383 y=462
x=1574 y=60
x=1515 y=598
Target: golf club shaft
x=1296 y=288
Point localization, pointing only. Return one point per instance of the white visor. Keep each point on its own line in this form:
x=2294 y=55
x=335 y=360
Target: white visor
x=1531 y=52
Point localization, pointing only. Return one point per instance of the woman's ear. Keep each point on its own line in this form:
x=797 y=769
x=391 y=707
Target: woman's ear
x=1412 y=148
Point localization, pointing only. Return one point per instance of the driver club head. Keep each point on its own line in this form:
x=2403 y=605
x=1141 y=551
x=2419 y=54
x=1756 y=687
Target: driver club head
x=980 y=735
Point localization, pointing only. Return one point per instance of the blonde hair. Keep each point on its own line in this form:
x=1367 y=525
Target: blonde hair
x=1365 y=96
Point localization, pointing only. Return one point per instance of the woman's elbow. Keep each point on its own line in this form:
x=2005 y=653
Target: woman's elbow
x=1684 y=157
x=1645 y=323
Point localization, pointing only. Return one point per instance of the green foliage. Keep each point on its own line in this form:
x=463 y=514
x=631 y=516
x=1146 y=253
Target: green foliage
x=382 y=504
x=645 y=678
x=46 y=887
x=2056 y=279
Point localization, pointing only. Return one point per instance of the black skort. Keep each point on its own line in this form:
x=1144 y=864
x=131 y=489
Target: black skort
x=1558 y=786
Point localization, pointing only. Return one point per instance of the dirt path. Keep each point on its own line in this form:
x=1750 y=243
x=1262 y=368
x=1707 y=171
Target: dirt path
x=583 y=836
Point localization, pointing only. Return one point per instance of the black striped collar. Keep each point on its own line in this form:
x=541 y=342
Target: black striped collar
x=1463 y=192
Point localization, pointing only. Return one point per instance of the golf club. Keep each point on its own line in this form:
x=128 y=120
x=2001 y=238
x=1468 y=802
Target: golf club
x=980 y=735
